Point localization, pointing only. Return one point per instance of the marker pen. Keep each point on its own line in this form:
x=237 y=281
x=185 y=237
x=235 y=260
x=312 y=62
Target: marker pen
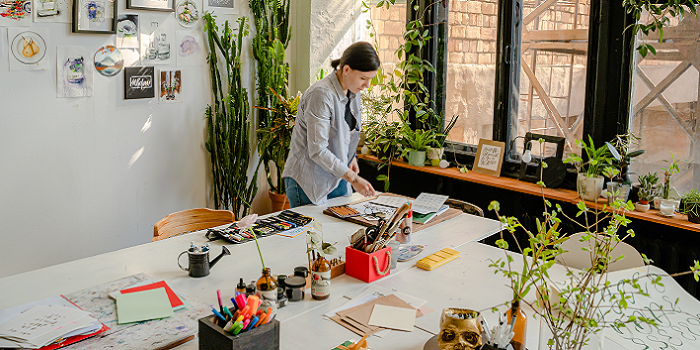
x=253 y=321
x=221 y=304
x=228 y=312
x=218 y=315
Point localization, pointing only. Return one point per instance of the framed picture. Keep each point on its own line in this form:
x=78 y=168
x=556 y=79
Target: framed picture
x=151 y=5
x=95 y=16
x=489 y=157
x=138 y=83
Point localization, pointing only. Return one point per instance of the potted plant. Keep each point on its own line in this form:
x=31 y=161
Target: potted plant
x=666 y=186
x=647 y=192
x=589 y=183
x=435 y=153
x=691 y=205
x=273 y=143
x=622 y=151
x=416 y=143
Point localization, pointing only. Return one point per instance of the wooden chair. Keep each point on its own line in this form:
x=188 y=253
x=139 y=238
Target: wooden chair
x=581 y=259
x=190 y=220
x=465 y=207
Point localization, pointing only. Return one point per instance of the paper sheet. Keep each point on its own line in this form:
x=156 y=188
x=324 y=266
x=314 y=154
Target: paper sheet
x=428 y=203
x=142 y=306
x=393 y=317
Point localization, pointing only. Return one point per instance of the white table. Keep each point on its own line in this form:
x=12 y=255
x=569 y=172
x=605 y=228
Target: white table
x=281 y=254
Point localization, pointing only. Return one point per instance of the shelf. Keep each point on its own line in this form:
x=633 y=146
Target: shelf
x=561 y=195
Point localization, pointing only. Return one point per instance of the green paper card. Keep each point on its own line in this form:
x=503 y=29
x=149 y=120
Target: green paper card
x=143 y=306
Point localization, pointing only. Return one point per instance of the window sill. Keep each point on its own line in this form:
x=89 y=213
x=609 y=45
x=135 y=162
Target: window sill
x=561 y=195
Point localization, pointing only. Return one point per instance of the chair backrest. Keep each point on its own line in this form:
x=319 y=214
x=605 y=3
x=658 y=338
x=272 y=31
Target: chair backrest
x=465 y=207
x=190 y=220
x=580 y=259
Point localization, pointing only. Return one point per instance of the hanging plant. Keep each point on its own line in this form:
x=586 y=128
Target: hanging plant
x=660 y=15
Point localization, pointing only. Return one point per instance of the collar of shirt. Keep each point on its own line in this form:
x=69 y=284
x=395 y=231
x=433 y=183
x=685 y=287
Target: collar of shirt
x=339 y=89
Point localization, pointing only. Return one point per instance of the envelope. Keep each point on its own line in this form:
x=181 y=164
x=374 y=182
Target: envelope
x=362 y=313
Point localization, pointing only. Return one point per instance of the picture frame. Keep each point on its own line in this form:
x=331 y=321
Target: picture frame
x=489 y=157
x=91 y=16
x=139 y=82
x=151 y=5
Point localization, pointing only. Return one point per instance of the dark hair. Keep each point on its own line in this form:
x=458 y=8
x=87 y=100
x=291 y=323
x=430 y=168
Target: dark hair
x=359 y=56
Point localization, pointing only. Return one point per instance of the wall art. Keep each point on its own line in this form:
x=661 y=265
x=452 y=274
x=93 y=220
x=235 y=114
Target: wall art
x=222 y=6
x=56 y=11
x=94 y=16
x=157 y=40
x=15 y=13
x=73 y=72
x=187 y=13
x=489 y=157
x=128 y=31
x=138 y=82
x=190 y=48
x=170 y=86
x=109 y=60
x=28 y=48
x=151 y=5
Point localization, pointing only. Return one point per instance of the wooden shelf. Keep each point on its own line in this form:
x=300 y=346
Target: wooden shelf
x=561 y=195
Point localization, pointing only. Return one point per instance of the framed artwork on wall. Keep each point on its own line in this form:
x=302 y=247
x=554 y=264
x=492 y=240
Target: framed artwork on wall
x=138 y=83
x=151 y=5
x=95 y=16
x=489 y=157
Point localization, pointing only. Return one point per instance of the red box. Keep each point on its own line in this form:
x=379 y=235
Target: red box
x=362 y=265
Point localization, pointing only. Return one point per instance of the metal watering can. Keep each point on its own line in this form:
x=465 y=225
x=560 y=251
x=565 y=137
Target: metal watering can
x=199 y=264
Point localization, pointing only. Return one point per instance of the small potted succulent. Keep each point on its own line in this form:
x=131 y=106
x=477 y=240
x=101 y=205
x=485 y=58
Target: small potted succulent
x=647 y=192
x=690 y=204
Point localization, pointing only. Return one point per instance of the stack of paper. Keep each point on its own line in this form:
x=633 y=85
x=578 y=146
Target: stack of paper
x=146 y=301
x=42 y=325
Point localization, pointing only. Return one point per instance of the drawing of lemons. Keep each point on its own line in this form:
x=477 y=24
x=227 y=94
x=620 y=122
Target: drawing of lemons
x=28 y=47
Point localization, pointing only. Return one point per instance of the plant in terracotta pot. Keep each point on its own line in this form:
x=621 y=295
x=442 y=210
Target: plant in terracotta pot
x=589 y=183
x=416 y=143
x=647 y=192
x=690 y=204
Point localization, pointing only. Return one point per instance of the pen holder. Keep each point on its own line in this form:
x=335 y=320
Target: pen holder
x=213 y=337
x=367 y=267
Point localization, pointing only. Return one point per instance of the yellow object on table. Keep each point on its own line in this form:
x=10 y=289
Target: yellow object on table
x=437 y=259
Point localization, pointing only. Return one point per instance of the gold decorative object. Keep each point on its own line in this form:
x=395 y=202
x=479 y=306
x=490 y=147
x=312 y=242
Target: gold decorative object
x=459 y=330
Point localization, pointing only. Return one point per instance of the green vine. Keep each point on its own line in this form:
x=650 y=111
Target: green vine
x=660 y=15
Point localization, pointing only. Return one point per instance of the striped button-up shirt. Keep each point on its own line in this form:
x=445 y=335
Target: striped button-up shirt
x=323 y=145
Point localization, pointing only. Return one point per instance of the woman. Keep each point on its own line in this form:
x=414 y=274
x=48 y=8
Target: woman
x=322 y=158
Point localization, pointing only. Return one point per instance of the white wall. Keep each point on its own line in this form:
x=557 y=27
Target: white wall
x=85 y=176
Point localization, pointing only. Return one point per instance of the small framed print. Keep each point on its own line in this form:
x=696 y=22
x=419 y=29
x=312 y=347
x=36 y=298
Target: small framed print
x=151 y=5
x=95 y=16
x=489 y=157
x=138 y=83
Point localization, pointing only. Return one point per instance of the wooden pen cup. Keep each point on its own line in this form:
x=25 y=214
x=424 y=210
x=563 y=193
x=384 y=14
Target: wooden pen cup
x=213 y=337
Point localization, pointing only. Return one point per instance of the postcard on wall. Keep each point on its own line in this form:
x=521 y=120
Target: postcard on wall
x=221 y=6
x=157 y=40
x=489 y=157
x=73 y=73
x=170 y=86
x=128 y=31
x=15 y=13
x=138 y=82
x=190 y=48
x=56 y=11
x=27 y=49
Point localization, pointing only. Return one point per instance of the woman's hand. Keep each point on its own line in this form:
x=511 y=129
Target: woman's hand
x=360 y=185
x=354 y=167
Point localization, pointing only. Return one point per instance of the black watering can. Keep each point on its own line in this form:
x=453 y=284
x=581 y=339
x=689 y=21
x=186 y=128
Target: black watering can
x=199 y=264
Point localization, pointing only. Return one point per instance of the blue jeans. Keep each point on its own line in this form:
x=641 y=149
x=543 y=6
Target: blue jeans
x=297 y=197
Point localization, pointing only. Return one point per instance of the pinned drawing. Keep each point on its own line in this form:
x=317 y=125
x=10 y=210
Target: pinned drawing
x=73 y=75
x=187 y=13
x=27 y=49
x=138 y=82
x=109 y=61
x=221 y=6
x=128 y=31
x=170 y=86
x=157 y=42
x=190 y=48
x=56 y=11
x=15 y=13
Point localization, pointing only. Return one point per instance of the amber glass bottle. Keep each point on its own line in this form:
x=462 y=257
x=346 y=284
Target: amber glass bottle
x=320 y=279
x=267 y=290
x=520 y=328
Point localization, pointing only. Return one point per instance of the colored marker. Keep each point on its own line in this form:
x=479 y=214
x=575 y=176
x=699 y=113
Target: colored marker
x=253 y=322
x=228 y=312
x=245 y=324
x=221 y=305
x=218 y=315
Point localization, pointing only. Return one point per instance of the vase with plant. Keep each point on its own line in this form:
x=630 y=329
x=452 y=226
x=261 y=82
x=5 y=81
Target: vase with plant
x=690 y=204
x=647 y=191
x=416 y=143
x=228 y=123
x=589 y=183
x=316 y=250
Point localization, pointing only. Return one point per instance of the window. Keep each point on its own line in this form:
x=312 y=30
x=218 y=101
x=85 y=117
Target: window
x=553 y=72
x=665 y=104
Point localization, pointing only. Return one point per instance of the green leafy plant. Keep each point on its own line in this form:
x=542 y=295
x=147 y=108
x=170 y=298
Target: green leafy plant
x=660 y=14
x=672 y=168
x=228 y=125
x=599 y=159
x=417 y=140
x=691 y=203
x=622 y=148
x=647 y=183
x=272 y=37
x=314 y=242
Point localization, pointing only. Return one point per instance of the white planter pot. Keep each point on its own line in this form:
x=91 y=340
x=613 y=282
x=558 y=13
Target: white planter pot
x=641 y=207
x=434 y=155
x=589 y=188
